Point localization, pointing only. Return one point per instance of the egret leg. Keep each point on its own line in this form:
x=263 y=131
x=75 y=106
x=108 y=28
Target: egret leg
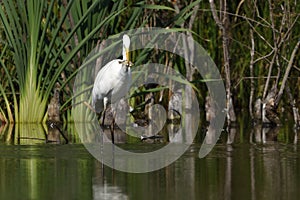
x=105 y=103
x=103 y=118
x=112 y=128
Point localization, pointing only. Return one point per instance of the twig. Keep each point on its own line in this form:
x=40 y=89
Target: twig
x=251 y=73
x=214 y=13
x=259 y=35
x=251 y=77
x=89 y=106
x=273 y=24
x=263 y=57
x=269 y=73
x=287 y=72
x=297 y=68
x=238 y=9
x=288 y=32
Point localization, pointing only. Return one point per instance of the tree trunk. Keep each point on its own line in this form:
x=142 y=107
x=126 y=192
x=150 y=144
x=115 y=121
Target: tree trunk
x=223 y=24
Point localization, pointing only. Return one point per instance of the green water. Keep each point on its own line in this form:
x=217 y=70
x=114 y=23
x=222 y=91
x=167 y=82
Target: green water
x=239 y=167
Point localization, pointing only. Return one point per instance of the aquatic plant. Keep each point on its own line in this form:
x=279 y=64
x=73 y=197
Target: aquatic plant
x=48 y=39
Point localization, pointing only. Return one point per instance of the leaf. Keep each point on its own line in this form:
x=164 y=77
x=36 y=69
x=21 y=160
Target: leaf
x=182 y=16
x=154 y=7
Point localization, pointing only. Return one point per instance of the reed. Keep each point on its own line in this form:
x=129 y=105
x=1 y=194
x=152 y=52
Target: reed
x=48 y=41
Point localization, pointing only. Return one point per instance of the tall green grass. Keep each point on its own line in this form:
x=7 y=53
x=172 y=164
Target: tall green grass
x=46 y=41
x=48 y=38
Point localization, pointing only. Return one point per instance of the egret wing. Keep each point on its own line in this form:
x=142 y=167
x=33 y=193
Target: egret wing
x=103 y=85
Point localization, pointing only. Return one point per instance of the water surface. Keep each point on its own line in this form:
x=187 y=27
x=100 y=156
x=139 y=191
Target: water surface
x=243 y=165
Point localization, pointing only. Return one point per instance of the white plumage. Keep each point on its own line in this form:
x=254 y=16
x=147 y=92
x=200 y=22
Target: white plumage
x=113 y=80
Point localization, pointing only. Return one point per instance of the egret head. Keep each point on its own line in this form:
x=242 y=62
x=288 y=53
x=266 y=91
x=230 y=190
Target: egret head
x=127 y=64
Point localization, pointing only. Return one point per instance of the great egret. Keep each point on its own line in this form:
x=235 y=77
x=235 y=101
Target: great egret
x=112 y=82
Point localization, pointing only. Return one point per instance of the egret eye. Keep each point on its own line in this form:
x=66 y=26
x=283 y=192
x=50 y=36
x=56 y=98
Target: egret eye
x=126 y=63
x=129 y=64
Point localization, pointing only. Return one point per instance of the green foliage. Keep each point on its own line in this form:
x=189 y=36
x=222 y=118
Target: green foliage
x=46 y=41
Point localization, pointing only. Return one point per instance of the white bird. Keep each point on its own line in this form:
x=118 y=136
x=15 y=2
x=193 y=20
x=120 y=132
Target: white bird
x=112 y=81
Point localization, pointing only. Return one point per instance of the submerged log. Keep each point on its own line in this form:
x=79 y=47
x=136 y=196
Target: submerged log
x=266 y=111
x=231 y=111
x=108 y=116
x=271 y=114
x=53 y=134
x=257 y=110
x=295 y=110
x=269 y=110
x=210 y=108
x=175 y=106
x=54 y=106
x=262 y=135
x=211 y=111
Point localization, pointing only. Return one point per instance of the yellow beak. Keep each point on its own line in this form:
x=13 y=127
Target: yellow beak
x=127 y=54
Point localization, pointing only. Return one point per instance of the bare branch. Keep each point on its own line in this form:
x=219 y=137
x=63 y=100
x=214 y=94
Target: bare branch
x=269 y=73
x=287 y=72
x=264 y=57
x=238 y=9
x=260 y=35
x=251 y=73
x=287 y=34
x=251 y=77
x=297 y=68
x=214 y=13
x=273 y=25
